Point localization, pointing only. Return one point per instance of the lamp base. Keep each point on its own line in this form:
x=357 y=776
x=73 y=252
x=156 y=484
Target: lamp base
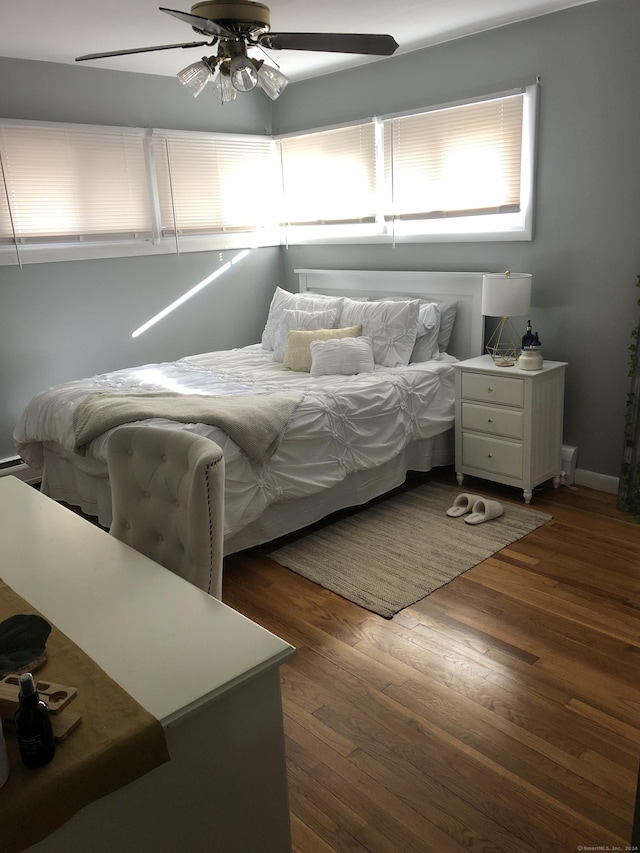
x=503 y=357
x=504 y=346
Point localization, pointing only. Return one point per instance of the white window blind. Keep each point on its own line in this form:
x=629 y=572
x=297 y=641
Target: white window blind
x=6 y=230
x=215 y=183
x=330 y=176
x=66 y=182
x=459 y=160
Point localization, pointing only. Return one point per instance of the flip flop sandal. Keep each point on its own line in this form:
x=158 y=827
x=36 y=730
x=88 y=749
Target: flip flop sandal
x=484 y=510
x=463 y=504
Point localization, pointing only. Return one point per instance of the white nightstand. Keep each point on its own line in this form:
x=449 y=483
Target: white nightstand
x=509 y=423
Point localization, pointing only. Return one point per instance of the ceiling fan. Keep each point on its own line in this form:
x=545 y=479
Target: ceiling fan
x=241 y=26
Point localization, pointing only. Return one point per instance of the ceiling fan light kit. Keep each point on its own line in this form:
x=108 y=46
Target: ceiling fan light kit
x=237 y=27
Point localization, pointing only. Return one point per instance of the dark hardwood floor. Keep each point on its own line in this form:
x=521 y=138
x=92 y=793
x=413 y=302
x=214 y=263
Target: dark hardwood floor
x=500 y=713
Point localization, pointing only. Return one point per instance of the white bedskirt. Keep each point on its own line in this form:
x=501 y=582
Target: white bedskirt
x=88 y=488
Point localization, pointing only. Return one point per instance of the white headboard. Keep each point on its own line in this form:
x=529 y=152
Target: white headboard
x=465 y=288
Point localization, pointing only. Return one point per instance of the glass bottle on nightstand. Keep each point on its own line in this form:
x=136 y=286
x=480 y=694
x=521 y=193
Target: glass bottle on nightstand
x=531 y=355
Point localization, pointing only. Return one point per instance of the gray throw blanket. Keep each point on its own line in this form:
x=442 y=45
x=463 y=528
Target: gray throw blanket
x=254 y=421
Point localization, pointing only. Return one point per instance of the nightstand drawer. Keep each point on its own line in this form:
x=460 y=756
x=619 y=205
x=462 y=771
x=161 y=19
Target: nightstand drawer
x=506 y=390
x=493 y=420
x=492 y=455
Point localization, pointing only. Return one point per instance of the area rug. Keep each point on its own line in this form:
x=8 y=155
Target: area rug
x=396 y=551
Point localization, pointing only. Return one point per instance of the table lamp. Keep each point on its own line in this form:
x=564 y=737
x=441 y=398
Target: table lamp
x=505 y=295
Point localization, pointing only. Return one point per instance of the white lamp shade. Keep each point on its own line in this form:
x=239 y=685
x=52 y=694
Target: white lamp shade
x=506 y=294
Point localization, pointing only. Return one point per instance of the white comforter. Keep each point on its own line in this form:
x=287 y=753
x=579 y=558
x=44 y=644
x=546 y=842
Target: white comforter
x=342 y=424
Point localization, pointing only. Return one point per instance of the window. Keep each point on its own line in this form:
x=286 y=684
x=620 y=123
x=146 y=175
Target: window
x=215 y=183
x=329 y=176
x=71 y=183
x=462 y=171
x=457 y=161
x=459 y=171
x=455 y=172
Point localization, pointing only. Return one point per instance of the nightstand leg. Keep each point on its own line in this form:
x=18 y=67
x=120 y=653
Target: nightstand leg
x=528 y=494
x=459 y=478
x=556 y=482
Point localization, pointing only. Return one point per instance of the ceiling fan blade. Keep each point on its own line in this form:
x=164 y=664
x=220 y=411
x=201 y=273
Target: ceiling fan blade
x=200 y=24
x=379 y=45
x=139 y=50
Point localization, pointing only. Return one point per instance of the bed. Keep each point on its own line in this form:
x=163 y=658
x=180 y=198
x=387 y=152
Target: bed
x=349 y=389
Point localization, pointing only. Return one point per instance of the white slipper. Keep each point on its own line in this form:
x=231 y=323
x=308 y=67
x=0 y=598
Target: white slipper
x=463 y=504
x=484 y=510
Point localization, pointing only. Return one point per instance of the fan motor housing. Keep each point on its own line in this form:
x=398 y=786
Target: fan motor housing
x=242 y=12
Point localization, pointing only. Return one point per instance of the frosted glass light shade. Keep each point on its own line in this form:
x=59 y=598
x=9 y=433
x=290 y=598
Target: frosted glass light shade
x=506 y=294
x=223 y=89
x=272 y=81
x=244 y=76
x=195 y=77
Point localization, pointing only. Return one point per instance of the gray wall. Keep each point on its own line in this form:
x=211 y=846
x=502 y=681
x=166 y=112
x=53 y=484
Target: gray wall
x=60 y=321
x=585 y=256
x=48 y=91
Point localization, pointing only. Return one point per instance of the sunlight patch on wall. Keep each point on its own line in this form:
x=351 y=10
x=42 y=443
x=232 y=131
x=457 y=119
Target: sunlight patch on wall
x=185 y=296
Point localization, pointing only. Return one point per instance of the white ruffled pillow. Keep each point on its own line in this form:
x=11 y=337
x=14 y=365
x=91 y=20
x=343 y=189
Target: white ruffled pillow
x=392 y=327
x=345 y=356
x=300 y=320
x=282 y=300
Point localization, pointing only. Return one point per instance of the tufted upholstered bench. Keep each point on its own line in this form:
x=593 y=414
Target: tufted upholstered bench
x=167 y=490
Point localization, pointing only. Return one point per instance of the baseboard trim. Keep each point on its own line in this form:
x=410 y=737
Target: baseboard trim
x=593 y=480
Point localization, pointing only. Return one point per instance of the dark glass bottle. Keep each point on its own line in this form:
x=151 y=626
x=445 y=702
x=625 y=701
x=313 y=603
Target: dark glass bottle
x=33 y=725
x=527 y=339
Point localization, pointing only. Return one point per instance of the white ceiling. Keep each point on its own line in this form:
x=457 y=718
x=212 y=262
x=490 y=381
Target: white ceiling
x=60 y=30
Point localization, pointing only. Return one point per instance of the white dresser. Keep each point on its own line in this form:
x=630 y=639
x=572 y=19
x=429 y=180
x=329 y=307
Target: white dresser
x=208 y=674
x=509 y=423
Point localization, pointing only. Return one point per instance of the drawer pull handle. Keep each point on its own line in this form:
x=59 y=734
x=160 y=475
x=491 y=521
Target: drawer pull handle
x=489 y=420
x=490 y=389
x=489 y=455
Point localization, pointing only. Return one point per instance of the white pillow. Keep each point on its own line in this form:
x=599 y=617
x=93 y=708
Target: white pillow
x=392 y=327
x=297 y=319
x=297 y=352
x=282 y=300
x=344 y=356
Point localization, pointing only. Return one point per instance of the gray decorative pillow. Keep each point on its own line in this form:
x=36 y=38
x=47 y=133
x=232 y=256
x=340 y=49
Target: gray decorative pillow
x=448 y=312
x=426 y=346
